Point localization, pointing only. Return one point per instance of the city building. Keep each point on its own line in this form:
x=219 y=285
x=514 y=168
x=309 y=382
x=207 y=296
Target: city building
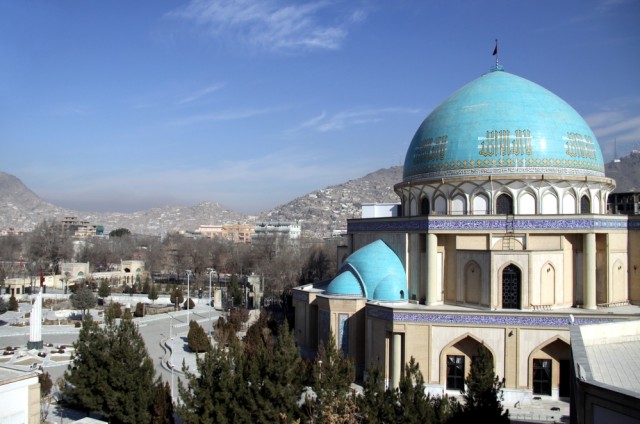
x=236 y=233
x=20 y=394
x=287 y=230
x=81 y=229
x=502 y=239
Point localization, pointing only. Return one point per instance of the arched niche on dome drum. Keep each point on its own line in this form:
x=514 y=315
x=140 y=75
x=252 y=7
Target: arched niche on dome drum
x=504 y=205
x=440 y=205
x=480 y=204
x=585 y=205
x=424 y=206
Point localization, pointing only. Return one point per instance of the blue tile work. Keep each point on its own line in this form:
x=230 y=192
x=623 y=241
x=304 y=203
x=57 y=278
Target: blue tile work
x=343 y=333
x=502 y=124
x=495 y=319
x=479 y=224
x=300 y=295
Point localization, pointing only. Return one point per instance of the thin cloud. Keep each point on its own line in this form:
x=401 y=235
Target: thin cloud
x=228 y=115
x=273 y=25
x=201 y=93
x=350 y=118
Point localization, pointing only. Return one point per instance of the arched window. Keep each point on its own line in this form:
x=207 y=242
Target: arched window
x=424 y=206
x=504 y=205
x=585 y=205
x=511 y=287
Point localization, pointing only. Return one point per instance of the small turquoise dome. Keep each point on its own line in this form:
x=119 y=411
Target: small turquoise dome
x=373 y=271
x=503 y=124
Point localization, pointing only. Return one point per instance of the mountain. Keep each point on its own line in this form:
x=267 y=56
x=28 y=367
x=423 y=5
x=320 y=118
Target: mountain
x=626 y=172
x=21 y=209
x=324 y=210
x=319 y=212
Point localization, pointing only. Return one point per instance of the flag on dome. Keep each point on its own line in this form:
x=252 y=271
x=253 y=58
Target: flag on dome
x=495 y=50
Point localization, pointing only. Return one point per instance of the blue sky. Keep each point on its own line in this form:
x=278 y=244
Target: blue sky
x=126 y=105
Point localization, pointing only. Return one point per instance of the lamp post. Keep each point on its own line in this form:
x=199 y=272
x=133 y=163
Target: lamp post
x=188 y=295
x=211 y=271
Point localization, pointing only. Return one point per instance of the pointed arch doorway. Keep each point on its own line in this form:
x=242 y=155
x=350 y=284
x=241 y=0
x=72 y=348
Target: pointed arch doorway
x=511 y=284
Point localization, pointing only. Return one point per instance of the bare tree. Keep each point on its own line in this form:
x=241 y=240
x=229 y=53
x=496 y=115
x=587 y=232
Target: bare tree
x=48 y=245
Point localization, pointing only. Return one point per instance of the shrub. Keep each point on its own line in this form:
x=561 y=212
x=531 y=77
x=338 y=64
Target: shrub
x=114 y=310
x=191 y=304
x=139 y=312
x=197 y=338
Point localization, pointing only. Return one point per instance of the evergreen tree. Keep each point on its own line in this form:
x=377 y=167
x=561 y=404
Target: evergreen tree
x=377 y=405
x=113 y=311
x=153 y=294
x=208 y=396
x=483 y=392
x=104 y=290
x=162 y=405
x=197 y=338
x=176 y=297
x=414 y=406
x=112 y=373
x=146 y=287
x=88 y=369
x=190 y=304
x=3 y=306
x=13 y=303
x=332 y=378
x=139 y=312
x=83 y=299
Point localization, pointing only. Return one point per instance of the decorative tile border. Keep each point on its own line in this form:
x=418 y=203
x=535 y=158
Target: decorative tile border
x=491 y=319
x=495 y=224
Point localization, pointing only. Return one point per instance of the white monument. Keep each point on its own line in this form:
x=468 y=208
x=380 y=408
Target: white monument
x=35 y=324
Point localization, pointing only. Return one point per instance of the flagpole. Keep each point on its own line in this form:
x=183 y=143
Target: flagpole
x=496 y=53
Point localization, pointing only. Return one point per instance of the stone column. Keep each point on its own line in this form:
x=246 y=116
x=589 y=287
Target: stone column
x=432 y=269
x=589 y=271
x=414 y=266
x=396 y=359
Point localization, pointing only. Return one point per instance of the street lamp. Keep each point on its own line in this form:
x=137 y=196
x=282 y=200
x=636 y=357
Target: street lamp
x=188 y=295
x=211 y=271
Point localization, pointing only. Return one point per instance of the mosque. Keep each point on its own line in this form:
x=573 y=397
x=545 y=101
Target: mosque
x=501 y=238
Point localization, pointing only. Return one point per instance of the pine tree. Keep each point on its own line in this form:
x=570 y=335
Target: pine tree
x=377 y=404
x=197 y=338
x=332 y=378
x=112 y=373
x=83 y=299
x=128 y=395
x=208 y=396
x=153 y=294
x=104 y=290
x=413 y=404
x=483 y=392
x=88 y=368
x=3 y=306
x=176 y=297
x=162 y=406
x=13 y=303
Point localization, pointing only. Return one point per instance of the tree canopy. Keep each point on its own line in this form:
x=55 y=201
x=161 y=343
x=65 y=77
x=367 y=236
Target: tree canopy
x=119 y=232
x=83 y=299
x=112 y=373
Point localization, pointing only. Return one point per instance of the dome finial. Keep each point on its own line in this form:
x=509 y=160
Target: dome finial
x=495 y=53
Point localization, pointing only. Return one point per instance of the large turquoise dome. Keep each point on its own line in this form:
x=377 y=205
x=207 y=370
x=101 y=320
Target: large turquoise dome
x=502 y=124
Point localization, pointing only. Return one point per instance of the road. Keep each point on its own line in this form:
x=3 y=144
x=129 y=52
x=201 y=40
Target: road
x=155 y=330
